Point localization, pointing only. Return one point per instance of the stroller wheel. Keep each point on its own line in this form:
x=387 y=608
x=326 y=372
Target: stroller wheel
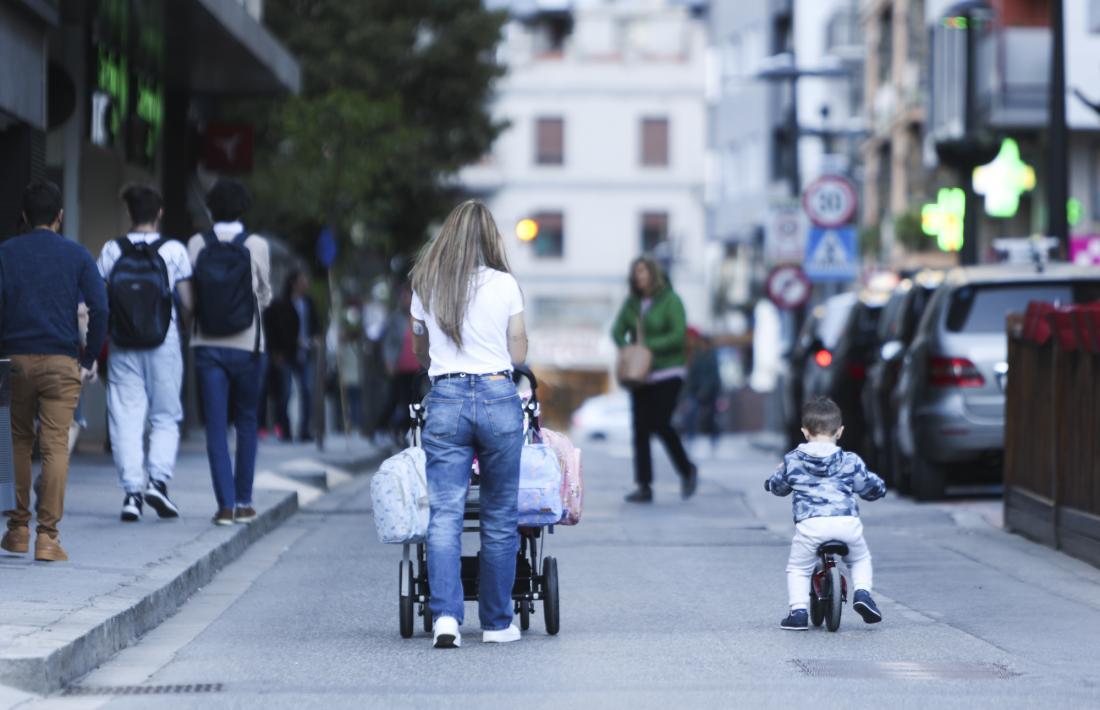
x=429 y=622
x=550 y=595
x=524 y=615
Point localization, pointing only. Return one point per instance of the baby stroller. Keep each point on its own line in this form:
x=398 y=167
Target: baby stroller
x=536 y=576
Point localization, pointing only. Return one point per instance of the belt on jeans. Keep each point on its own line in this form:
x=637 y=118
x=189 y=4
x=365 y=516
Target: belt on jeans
x=487 y=375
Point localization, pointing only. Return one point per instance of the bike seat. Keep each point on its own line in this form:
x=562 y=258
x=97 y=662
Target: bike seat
x=833 y=547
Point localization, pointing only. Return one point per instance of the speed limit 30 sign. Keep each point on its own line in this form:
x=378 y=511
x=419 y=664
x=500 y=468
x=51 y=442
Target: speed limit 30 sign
x=830 y=201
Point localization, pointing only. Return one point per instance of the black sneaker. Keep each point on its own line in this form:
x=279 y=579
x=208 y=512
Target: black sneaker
x=689 y=483
x=131 y=508
x=642 y=495
x=865 y=606
x=797 y=620
x=156 y=495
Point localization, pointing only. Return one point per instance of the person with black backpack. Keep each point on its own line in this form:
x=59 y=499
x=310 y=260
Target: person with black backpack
x=145 y=273
x=232 y=284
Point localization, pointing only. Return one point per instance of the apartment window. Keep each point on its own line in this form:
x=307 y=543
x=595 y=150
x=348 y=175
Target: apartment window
x=550 y=243
x=549 y=141
x=654 y=142
x=654 y=230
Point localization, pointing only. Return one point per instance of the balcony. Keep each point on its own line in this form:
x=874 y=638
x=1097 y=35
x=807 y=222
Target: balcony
x=1012 y=70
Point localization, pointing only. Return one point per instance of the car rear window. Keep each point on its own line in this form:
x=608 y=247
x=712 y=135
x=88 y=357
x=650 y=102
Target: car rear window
x=889 y=324
x=982 y=309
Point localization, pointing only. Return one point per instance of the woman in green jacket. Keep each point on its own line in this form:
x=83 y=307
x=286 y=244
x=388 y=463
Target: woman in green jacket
x=664 y=326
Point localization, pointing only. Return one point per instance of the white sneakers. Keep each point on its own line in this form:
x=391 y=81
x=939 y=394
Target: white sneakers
x=446 y=633
x=507 y=635
x=448 y=636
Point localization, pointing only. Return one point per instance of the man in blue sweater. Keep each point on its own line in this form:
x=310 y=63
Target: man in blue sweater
x=43 y=279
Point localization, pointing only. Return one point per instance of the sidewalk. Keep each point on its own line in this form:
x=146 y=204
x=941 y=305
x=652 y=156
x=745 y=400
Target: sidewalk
x=60 y=620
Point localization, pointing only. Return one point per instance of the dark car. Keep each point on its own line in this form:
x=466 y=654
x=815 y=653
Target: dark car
x=810 y=356
x=950 y=392
x=843 y=378
x=897 y=326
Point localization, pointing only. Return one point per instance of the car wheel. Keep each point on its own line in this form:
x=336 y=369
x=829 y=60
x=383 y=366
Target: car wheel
x=928 y=479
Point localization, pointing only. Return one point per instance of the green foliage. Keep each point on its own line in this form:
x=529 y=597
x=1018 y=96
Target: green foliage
x=870 y=241
x=908 y=232
x=395 y=102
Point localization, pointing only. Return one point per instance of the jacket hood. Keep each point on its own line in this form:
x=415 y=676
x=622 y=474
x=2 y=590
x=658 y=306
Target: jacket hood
x=818 y=457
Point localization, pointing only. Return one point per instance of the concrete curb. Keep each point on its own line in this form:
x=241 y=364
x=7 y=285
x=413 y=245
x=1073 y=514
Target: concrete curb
x=47 y=660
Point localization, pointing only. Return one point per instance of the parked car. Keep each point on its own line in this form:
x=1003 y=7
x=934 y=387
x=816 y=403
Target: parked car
x=950 y=392
x=810 y=355
x=605 y=417
x=897 y=326
x=845 y=377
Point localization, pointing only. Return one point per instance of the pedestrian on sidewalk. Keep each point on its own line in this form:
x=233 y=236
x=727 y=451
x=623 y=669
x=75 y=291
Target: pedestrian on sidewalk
x=467 y=319
x=653 y=305
x=402 y=368
x=231 y=275
x=825 y=481
x=294 y=333
x=148 y=282
x=43 y=278
x=702 y=388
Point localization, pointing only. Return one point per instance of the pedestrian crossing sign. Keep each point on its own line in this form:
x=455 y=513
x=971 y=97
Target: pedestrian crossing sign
x=831 y=254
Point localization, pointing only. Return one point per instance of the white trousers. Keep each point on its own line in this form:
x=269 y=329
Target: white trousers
x=144 y=385
x=810 y=533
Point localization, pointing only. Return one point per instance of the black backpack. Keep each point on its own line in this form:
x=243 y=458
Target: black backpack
x=225 y=301
x=140 y=295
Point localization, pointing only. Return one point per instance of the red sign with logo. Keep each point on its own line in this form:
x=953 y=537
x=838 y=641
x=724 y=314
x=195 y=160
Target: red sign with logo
x=228 y=147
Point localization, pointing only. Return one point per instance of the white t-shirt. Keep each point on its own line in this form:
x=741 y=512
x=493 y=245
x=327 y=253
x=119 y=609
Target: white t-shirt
x=173 y=252
x=484 y=332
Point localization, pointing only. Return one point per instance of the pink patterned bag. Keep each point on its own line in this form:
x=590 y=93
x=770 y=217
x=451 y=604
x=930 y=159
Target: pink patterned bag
x=572 y=479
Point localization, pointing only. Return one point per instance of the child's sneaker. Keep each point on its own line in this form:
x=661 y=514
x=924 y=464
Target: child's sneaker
x=865 y=606
x=797 y=620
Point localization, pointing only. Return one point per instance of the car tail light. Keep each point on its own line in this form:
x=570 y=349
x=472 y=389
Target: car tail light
x=953 y=372
x=823 y=358
x=857 y=371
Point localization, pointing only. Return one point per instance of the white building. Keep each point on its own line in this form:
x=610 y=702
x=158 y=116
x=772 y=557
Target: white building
x=605 y=151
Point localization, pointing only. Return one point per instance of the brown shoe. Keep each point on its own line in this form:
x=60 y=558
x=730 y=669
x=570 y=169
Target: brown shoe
x=245 y=515
x=48 y=549
x=224 y=516
x=17 y=540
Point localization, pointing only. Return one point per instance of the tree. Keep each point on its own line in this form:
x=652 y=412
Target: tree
x=395 y=102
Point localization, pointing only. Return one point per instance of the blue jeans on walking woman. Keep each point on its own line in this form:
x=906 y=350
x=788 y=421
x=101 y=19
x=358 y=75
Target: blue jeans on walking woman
x=229 y=383
x=465 y=416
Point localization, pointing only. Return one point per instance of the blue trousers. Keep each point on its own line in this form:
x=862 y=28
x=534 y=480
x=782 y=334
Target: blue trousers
x=468 y=416
x=229 y=382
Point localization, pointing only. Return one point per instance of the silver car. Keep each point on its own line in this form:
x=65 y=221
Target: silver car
x=950 y=395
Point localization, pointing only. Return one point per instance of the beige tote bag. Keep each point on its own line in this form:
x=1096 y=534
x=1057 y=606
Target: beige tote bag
x=635 y=361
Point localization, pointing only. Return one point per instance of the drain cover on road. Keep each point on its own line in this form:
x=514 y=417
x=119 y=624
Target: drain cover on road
x=902 y=670
x=188 y=688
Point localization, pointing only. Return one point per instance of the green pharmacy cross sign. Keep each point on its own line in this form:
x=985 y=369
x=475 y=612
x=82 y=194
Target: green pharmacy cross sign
x=1003 y=180
x=944 y=219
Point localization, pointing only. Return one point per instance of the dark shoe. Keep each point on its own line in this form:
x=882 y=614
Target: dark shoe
x=306 y=438
x=689 y=483
x=48 y=549
x=131 y=508
x=224 y=516
x=156 y=495
x=17 y=540
x=244 y=515
x=797 y=620
x=865 y=606
x=642 y=495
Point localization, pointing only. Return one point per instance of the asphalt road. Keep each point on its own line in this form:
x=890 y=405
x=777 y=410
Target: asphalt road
x=669 y=605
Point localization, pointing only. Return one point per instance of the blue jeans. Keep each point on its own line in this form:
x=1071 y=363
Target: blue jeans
x=301 y=370
x=229 y=379
x=465 y=416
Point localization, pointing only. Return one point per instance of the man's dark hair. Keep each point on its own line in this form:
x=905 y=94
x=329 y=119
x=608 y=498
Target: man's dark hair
x=228 y=200
x=41 y=203
x=821 y=416
x=143 y=203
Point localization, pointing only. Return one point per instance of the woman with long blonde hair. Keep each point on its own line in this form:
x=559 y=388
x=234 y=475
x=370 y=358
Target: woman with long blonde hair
x=467 y=320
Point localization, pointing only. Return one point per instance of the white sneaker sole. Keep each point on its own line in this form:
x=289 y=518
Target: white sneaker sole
x=508 y=635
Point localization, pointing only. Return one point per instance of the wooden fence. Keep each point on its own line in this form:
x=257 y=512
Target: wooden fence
x=1052 y=429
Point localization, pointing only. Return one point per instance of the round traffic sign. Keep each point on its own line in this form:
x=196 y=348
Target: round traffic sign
x=830 y=201
x=788 y=287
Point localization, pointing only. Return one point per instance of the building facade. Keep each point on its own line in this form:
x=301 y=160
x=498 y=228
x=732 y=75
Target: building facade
x=604 y=154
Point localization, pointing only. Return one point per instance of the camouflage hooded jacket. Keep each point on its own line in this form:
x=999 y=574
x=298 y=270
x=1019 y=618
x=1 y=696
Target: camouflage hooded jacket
x=825 y=480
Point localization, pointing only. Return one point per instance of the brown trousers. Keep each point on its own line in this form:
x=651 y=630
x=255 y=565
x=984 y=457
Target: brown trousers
x=46 y=387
